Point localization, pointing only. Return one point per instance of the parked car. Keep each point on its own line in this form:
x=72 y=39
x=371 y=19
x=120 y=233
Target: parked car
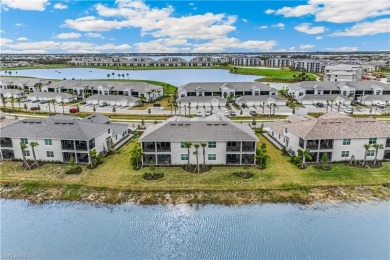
x=381 y=104
x=43 y=102
x=23 y=100
x=207 y=112
x=35 y=101
x=34 y=108
x=253 y=113
x=348 y=110
x=73 y=110
x=232 y=113
x=226 y=113
x=199 y=113
x=319 y=104
x=103 y=104
x=354 y=103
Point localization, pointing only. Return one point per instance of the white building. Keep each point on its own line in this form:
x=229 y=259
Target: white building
x=202 y=101
x=343 y=72
x=226 y=142
x=11 y=93
x=337 y=135
x=61 y=137
x=113 y=100
x=256 y=101
x=47 y=96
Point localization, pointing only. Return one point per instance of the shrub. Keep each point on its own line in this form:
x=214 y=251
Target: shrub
x=152 y=176
x=73 y=170
x=244 y=175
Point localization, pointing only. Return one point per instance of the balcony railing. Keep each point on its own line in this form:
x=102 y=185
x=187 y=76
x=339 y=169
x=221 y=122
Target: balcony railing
x=248 y=148
x=233 y=148
x=68 y=147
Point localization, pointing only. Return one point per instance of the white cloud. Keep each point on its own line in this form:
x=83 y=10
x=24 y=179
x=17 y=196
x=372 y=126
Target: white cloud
x=71 y=47
x=366 y=28
x=22 y=39
x=24 y=51
x=263 y=27
x=336 y=11
x=341 y=49
x=19 y=24
x=156 y=22
x=163 y=46
x=94 y=35
x=244 y=20
x=191 y=4
x=70 y=35
x=279 y=25
x=306 y=46
x=291 y=48
x=28 y=5
x=60 y=6
x=220 y=45
x=319 y=37
x=305 y=28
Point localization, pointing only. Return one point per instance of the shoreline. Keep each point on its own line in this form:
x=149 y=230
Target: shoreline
x=303 y=195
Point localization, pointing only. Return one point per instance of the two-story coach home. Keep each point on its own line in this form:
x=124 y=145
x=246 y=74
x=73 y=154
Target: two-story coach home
x=337 y=135
x=61 y=137
x=226 y=142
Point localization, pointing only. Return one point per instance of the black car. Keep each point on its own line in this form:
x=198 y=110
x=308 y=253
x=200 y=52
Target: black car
x=253 y=113
x=319 y=104
x=232 y=113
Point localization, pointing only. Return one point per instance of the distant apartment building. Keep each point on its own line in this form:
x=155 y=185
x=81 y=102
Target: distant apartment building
x=338 y=136
x=278 y=62
x=61 y=137
x=247 y=61
x=227 y=142
x=343 y=72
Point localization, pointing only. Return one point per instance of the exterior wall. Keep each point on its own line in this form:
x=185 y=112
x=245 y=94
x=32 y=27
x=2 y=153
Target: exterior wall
x=279 y=137
x=355 y=148
x=40 y=150
x=100 y=141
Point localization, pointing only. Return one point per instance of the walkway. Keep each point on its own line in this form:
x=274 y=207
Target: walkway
x=271 y=140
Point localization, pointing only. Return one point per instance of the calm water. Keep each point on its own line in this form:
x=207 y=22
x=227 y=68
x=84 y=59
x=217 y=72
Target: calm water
x=83 y=231
x=177 y=77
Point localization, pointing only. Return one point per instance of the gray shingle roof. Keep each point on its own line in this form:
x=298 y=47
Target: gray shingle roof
x=96 y=118
x=118 y=128
x=321 y=97
x=181 y=131
x=49 y=95
x=55 y=128
x=259 y=98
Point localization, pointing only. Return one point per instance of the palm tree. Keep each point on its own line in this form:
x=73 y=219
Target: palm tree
x=119 y=76
x=123 y=76
x=196 y=153
x=204 y=153
x=263 y=107
x=4 y=101
x=331 y=104
x=136 y=156
x=10 y=73
x=149 y=92
x=189 y=108
x=113 y=75
x=188 y=145
x=33 y=145
x=377 y=147
x=48 y=104
x=303 y=155
x=127 y=74
x=261 y=155
x=53 y=101
x=108 y=75
x=13 y=103
x=6 y=73
x=23 y=147
x=63 y=107
x=185 y=110
x=366 y=148
x=18 y=99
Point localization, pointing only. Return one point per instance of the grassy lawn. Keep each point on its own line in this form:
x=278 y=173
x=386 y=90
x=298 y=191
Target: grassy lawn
x=163 y=103
x=270 y=75
x=116 y=173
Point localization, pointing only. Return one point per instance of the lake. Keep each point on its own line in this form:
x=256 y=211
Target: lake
x=272 y=231
x=177 y=77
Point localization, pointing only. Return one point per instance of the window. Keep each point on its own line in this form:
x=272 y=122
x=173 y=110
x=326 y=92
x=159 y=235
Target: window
x=212 y=157
x=346 y=141
x=24 y=140
x=184 y=156
x=48 y=142
x=370 y=152
x=26 y=153
x=345 y=154
x=182 y=145
x=372 y=141
x=49 y=153
x=212 y=145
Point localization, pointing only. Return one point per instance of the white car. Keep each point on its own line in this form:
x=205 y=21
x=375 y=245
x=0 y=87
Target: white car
x=348 y=110
x=207 y=112
x=381 y=104
x=199 y=113
x=226 y=113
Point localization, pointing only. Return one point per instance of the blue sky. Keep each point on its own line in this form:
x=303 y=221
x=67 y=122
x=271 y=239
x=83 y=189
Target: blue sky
x=43 y=26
